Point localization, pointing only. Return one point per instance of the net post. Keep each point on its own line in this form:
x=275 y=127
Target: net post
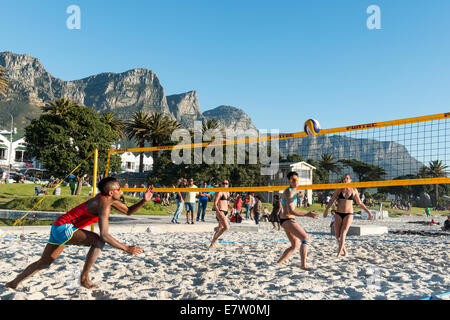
x=107 y=163
x=94 y=179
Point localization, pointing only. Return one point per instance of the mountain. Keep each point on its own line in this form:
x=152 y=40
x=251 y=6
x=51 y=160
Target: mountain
x=185 y=107
x=230 y=117
x=122 y=93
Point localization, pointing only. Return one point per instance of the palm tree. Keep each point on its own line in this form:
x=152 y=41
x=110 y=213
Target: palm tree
x=436 y=169
x=328 y=163
x=59 y=106
x=154 y=128
x=3 y=82
x=116 y=125
x=210 y=124
x=161 y=128
x=138 y=129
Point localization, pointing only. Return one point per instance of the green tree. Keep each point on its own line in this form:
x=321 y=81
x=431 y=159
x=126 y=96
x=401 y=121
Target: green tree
x=154 y=128
x=61 y=142
x=116 y=125
x=4 y=84
x=59 y=107
x=364 y=171
x=292 y=158
x=210 y=124
x=436 y=169
x=138 y=129
x=328 y=163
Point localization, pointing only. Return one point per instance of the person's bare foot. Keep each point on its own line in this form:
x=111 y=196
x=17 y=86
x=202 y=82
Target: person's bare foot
x=212 y=246
x=11 y=285
x=345 y=252
x=87 y=283
x=305 y=267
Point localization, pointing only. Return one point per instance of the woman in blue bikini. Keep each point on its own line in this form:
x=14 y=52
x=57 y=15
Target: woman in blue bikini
x=344 y=213
x=294 y=231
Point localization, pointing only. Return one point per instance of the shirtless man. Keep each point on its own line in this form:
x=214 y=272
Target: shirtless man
x=344 y=213
x=294 y=231
x=68 y=230
x=221 y=204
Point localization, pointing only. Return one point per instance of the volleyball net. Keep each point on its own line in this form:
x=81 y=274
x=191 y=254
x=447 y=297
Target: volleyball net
x=411 y=151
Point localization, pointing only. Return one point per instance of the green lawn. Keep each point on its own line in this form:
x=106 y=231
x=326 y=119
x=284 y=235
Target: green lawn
x=16 y=196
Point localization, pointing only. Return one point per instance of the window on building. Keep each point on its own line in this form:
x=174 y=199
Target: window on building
x=2 y=154
x=19 y=156
x=130 y=165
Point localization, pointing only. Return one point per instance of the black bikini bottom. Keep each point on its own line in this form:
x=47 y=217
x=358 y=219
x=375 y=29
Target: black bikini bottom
x=343 y=215
x=284 y=220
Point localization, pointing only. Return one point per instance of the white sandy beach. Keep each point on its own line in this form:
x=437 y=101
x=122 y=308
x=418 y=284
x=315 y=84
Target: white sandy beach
x=177 y=265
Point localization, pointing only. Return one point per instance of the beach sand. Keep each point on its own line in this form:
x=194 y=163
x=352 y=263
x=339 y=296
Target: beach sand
x=177 y=265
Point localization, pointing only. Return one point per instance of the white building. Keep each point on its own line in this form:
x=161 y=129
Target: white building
x=305 y=175
x=130 y=162
x=13 y=153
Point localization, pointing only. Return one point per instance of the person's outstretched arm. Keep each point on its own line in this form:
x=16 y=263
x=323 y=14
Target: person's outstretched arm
x=330 y=203
x=132 y=209
x=103 y=224
x=291 y=207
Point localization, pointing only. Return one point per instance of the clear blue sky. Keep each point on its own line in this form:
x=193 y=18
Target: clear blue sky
x=282 y=62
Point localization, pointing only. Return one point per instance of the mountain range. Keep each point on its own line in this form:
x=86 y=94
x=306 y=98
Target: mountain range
x=122 y=93
x=140 y=89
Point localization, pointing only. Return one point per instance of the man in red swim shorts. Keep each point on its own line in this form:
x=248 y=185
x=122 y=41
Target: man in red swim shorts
x=68 y=230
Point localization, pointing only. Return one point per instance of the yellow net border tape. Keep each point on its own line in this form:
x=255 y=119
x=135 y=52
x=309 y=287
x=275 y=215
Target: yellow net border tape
x=366 y=184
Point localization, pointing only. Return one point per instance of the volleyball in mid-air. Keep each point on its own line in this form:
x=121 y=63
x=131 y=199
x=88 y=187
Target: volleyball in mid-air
x=312 y=127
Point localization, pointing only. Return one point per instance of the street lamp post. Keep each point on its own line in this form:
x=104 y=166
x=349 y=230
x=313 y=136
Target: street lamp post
x=10 y=148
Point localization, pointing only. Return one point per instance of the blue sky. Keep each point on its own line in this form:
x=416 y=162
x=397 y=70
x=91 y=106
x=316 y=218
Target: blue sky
x=282 y=62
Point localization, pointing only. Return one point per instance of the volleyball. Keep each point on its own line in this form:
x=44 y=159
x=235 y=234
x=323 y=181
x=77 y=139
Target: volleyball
x=312 y=127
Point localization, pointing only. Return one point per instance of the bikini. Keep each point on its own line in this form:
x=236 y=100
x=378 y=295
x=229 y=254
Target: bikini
x=283 y=202
x=344 y=214
x=225 y=212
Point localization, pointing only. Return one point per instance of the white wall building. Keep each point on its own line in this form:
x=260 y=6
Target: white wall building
x=130 y=162
x=13 y=153
x=305 y=175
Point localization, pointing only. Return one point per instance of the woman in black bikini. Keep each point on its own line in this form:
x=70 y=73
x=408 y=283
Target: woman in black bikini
x=344 y=213
x=221 y=204
x=294 y=231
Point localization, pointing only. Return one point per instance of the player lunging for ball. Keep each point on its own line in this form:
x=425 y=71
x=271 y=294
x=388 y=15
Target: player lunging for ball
x=68 y=230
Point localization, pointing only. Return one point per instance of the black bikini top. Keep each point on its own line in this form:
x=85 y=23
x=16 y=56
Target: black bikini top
x=224 y=198
x=341 y=196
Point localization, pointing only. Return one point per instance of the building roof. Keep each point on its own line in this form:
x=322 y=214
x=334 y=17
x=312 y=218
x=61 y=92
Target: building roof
x=289 y=164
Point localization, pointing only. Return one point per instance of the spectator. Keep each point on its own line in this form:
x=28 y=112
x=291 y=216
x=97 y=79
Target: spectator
x=190 y=201
x=333 y=212
x=252 y=205
x=202 y=203
x=141 y=194
x=427 y=211
x=57 y=191
x=237 y=205
x=257 y=209
x=275 y=215
x=247 y=206
x=180 y=201
x=37 y=190
x=72 y=185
